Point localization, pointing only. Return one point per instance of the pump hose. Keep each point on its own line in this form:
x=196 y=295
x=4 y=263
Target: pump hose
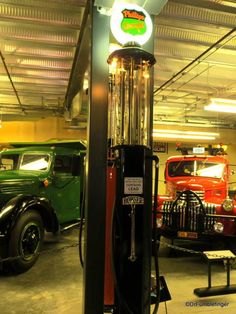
x=80 y=236
x=155 y=240
x=82 y=223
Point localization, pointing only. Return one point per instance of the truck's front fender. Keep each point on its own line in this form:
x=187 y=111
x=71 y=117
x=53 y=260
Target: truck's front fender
x=21 y=203
x=163 y=198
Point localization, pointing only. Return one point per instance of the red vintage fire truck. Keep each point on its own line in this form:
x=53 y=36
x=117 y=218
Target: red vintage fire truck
x=197 y=203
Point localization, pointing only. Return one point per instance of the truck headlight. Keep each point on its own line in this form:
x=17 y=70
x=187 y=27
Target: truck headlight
x=228 y=205
x=159 y=222
x=218 y=227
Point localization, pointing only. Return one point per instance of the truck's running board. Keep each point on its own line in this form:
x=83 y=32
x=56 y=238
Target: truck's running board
x=71 y=225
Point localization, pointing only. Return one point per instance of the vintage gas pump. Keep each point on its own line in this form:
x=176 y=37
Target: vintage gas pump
x=130 y=129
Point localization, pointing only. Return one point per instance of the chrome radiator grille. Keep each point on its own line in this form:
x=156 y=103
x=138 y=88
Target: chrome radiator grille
x=188 y=213
x=200 y=194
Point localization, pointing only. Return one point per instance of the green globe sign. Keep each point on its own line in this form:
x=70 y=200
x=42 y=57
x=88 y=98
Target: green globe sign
x=133 y=22
x=130 y=23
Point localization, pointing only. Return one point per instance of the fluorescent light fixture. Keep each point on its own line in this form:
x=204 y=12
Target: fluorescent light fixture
x=187 y=123
x=222 y=105
x=185 y=134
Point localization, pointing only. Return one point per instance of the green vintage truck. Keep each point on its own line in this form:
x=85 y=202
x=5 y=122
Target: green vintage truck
x=41 y=187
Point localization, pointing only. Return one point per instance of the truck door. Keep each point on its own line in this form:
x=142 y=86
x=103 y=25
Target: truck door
x=65 y=189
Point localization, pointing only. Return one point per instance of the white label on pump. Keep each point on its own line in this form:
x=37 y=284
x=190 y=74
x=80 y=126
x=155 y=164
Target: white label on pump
x=133 y=185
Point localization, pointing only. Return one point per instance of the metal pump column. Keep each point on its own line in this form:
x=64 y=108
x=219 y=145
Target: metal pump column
x=130 y=131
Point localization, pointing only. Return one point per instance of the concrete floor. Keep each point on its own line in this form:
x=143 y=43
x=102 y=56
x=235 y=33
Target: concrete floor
x=54 y=284
x=183 y=273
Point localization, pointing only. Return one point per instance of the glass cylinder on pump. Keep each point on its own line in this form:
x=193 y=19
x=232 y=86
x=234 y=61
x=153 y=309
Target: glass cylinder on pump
x=129 y=111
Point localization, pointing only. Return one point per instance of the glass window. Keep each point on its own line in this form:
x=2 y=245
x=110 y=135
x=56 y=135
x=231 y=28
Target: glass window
x=63 y=164
x=208 y=169
x=195 y=168
x=38 y=162
x=180 y=168
x=9 y=161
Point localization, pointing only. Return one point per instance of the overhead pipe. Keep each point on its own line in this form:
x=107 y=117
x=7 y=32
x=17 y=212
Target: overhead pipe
x=198 y=59
x=9 y=76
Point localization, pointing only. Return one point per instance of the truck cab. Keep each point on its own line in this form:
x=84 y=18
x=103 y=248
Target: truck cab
x=197 y=203
x=41 y=188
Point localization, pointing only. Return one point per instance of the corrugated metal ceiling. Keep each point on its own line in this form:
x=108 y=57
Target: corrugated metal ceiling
x=184 y=31
x=38 y=44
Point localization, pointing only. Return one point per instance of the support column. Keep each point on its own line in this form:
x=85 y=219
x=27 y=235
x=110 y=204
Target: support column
x=93 y=297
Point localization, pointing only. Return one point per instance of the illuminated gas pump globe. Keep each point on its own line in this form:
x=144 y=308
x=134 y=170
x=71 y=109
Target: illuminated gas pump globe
x=130 y=23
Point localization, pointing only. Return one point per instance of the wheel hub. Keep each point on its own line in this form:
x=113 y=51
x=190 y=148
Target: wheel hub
x=30 y=240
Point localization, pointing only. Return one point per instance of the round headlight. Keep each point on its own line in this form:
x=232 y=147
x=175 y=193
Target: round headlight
x=228 y=205
x=218 y=227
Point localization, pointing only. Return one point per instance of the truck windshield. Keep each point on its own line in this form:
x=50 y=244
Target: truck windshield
x=36 y=162
x=195 y=168
x=9 y=161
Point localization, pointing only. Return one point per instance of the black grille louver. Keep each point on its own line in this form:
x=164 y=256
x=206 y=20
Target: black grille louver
x=188 y=213
x=200 y=194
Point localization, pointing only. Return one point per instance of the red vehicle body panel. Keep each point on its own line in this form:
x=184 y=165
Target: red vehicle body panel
x=208 y=177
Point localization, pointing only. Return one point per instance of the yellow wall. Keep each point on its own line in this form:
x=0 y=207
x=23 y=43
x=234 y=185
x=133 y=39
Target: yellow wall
x=42 y=130
x=17 y=131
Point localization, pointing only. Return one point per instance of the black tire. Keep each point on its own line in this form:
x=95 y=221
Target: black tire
x=26 y=241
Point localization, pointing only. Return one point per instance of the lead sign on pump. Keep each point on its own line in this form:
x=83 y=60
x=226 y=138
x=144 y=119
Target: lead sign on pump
x=133 y=185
